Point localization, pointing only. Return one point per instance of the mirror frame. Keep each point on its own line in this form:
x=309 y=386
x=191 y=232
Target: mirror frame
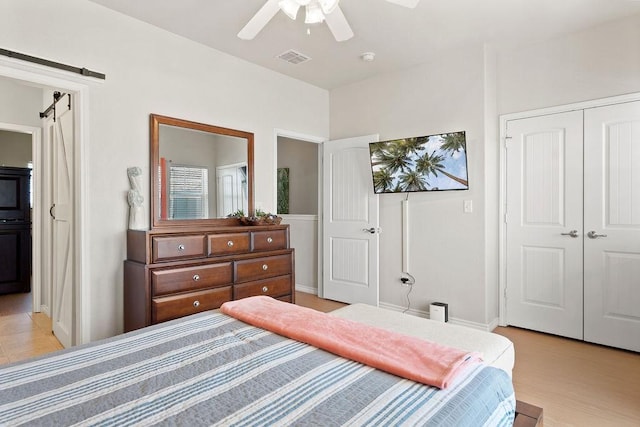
x=155 y=120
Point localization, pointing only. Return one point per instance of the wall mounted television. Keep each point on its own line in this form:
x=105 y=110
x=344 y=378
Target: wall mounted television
x=423 y=163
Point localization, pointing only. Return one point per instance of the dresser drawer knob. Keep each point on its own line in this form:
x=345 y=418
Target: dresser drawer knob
x=265 y=267
x=230 y=243
x=196 y=277
x=180 y=248
x=265 y=289
x=269 y=240
x=196 y=303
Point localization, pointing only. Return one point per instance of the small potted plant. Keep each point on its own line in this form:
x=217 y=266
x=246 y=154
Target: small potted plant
x=259 y=218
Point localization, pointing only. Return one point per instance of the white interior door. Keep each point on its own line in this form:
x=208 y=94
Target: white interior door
x=231 y=189
x=350 y=222
x=544 y=224
x=61 y=134
x=612 y=225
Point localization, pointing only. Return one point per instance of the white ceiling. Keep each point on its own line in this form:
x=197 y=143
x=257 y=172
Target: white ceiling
x=400 y=37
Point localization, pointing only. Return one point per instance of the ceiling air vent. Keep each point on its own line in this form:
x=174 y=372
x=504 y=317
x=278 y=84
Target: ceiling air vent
x=293 y=57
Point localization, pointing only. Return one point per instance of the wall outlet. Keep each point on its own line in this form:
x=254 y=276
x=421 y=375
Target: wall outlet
x=407 y=279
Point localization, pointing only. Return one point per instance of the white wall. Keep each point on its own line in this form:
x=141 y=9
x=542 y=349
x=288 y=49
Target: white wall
x=454 y=256
x=301 y=158
x=15 y=149
x=19 y=104
x=597 y=63
x=304 y=239
x=446 y=245
x=151 y=71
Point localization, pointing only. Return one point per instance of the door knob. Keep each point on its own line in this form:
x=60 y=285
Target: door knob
x=572 y=233
x=371 y=230
x=593 y=235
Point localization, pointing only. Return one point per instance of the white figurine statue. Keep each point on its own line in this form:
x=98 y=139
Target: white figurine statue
x=135 y=199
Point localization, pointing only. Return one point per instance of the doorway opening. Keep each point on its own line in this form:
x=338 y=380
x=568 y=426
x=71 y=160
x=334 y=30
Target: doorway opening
x=297 y=201
x=20 y=147
x=12 y=107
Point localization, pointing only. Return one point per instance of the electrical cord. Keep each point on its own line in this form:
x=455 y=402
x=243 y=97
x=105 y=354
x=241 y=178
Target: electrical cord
x=408 y=299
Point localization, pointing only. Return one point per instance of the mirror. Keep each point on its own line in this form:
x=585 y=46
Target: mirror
x=200 y=173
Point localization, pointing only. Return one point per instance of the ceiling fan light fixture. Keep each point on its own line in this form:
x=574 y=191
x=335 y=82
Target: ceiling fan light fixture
x=328 y=6
x=314 y=14
x=290 y=8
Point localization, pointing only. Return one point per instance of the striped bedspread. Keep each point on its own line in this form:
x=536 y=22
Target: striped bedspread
x=210 y=369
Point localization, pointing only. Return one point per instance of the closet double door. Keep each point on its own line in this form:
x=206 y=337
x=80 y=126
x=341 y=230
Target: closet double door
x=572 y=218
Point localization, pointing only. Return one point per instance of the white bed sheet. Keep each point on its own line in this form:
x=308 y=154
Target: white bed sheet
x=496 y=350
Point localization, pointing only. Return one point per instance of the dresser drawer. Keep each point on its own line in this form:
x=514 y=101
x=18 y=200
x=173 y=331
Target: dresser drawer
x=262 y=268
x=172 y=307
x=276 y=287
x=167 y=248
x=231 y=243
x=269 y=240
x=176 y=280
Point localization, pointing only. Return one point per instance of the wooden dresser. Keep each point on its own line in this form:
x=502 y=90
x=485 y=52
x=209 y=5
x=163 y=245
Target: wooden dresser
x=171 y=273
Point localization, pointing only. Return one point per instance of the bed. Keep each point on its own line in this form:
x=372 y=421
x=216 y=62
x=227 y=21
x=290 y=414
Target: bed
x=496 y=350
x=213 y=369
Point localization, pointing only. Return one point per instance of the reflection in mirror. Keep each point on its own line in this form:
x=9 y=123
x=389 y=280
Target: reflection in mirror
x=206 y=174
x=203 y=172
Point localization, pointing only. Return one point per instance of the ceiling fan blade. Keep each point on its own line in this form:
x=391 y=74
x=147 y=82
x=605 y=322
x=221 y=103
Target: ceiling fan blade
x=406 y=3
x=259 y=20
x=338 y=25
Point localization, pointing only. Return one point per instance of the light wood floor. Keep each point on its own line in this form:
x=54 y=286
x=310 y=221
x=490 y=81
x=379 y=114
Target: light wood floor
x=577 y=384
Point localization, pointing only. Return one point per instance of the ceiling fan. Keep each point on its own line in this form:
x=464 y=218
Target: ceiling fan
x=317 y=11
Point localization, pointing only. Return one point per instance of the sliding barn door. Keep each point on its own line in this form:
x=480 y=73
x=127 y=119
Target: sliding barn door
x=61 y=137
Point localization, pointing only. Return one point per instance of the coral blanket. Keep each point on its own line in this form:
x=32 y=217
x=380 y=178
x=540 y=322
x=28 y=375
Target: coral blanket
x=409 y=357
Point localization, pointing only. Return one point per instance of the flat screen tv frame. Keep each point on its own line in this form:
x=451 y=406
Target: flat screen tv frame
x=424 y=163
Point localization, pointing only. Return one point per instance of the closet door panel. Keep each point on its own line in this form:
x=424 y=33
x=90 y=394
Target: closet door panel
x=544 y=223
x=612 y=225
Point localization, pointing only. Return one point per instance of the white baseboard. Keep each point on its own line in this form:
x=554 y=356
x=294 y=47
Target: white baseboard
x=411 y=311
x=468 y=324
x=494 y=324
x=452 y=320
x=307 y=289
x=45 y=309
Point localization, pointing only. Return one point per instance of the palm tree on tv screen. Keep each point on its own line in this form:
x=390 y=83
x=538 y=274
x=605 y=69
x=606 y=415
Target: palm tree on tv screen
x=401 y=165
x=431 y=164
x=454 y=142
x=392 y=157
x=413 y=181
x=412 y=145
x=382 y=180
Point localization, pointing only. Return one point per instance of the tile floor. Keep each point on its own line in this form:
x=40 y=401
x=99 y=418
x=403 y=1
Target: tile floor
x=23 y=334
